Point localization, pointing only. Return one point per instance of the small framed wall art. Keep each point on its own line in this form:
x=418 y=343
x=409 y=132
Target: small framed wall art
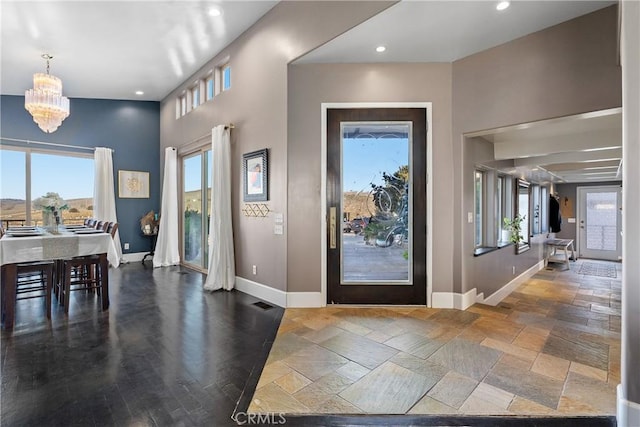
x=133 y=184
x=255 y=176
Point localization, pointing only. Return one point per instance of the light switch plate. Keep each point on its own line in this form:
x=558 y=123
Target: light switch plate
x=278 y=218
x=469 y=217
x=278 y=229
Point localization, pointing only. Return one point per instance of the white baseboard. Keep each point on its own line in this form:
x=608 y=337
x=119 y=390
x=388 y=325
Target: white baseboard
x=134 y=257
x=628 y=413
x=438 y=299
x=278 y=297
x=264 y=292
x=305 y=300
x=453 y=299
x=495 y=298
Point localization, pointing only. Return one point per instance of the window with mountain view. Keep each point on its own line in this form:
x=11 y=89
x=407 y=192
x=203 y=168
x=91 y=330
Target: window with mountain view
x=63 y=181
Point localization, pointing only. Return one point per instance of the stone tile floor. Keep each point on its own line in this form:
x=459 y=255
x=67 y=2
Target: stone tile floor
x=551 y=348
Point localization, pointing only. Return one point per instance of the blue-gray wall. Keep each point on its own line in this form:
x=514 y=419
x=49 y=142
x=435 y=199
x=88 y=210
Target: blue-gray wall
x=130 y=128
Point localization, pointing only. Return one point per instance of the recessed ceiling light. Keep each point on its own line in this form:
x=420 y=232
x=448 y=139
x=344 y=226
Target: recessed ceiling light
x=139 y=92
x=380 y=49
x=503 y=5
x=214 y=11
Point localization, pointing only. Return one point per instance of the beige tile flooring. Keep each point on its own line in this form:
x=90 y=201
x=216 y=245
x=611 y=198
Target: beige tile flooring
x=550 y=348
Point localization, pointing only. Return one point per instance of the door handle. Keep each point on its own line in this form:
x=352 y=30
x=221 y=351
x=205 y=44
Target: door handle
x=332 y=227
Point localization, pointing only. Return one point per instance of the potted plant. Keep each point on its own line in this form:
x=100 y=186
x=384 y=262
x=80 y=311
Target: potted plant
x=514 y=227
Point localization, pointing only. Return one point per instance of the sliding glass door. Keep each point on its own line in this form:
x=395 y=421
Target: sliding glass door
x=196 y=208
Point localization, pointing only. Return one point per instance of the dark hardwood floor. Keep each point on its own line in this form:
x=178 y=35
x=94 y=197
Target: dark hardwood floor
x=166 y=353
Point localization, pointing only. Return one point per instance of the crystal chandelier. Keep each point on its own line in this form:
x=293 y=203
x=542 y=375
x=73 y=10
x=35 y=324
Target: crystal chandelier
x=45 y=101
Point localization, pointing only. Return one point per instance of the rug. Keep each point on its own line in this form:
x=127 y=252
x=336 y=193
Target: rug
x=596 y=269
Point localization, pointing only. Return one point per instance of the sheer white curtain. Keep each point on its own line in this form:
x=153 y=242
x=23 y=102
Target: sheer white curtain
x=222 y=269
x=104 y=198
x=167 y=250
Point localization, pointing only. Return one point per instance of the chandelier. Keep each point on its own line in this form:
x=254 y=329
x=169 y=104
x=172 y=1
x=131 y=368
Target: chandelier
x=45 y=101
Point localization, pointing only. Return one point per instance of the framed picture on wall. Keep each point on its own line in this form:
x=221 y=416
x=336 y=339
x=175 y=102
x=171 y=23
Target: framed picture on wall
x=255 y=176
x=133 y=184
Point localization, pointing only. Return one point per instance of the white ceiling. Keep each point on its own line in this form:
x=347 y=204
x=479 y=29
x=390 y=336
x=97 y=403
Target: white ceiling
x=110 y=49
x=444 y=31
x=581 y=148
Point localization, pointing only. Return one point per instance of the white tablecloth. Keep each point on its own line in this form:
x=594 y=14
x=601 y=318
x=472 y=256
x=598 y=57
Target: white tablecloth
x=49 y=247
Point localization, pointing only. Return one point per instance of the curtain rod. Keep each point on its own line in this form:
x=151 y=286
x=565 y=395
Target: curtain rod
x=54 y=144
x=207 y=135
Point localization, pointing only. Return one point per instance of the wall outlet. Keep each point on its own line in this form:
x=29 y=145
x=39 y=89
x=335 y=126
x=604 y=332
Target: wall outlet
x=513 y=270
x=255 y=270
x=126 y=246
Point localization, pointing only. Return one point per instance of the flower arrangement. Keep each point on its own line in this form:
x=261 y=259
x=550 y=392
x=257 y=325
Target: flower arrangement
x=50 y=202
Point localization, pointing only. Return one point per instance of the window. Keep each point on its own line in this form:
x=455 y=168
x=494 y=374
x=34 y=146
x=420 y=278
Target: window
x=33 y=173
x=13 y=194
x=544 y=210
x=183 y=105
x=479 y=197
x=501 y=205
x=535 y=209
x=210 y=86
x=195 y=97
x=226 y=77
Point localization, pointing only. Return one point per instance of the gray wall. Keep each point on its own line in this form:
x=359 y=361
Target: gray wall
x=567 y=69
x=257 y=105
x=312 y=84
x=564 y=70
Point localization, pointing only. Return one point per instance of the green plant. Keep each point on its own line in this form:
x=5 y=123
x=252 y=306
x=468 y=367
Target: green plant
x=514 y=226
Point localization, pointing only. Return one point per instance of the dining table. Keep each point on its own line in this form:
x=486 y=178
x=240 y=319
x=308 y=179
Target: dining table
x=33 y=244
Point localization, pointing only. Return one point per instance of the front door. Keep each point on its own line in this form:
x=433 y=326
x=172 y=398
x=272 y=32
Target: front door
x=599 y=222
x=376 y=206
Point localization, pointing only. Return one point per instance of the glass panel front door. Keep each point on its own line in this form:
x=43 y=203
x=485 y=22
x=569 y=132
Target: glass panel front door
x=376 y=206
x=376 y=203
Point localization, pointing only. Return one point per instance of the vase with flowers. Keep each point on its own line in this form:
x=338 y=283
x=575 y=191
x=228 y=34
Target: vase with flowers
x=52 y=206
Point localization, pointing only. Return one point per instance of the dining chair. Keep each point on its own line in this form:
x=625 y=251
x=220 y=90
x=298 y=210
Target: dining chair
x=33 y=280
x=81 y=274
x=99 y=225
x=111 y=228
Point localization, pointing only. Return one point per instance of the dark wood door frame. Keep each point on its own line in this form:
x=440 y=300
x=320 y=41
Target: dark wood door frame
x=415 y=294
